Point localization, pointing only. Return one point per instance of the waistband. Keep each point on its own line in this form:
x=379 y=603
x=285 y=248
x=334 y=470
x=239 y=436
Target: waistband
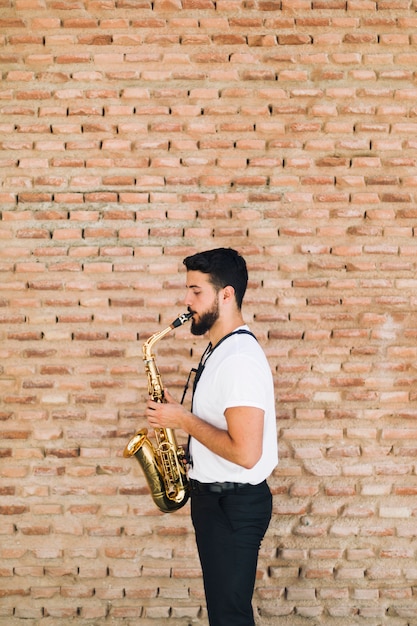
x=226 y=487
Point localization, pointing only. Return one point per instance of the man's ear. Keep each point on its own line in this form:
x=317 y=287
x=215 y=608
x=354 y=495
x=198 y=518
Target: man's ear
x=228 y=293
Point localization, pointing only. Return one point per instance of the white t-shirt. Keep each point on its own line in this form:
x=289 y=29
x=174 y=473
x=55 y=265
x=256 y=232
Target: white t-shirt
x=237 y=373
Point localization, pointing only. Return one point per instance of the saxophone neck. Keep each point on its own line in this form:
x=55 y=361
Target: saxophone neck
x=149 y=343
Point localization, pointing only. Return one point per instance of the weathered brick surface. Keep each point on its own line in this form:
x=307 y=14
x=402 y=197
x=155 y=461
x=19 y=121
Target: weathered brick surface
x=133 y=134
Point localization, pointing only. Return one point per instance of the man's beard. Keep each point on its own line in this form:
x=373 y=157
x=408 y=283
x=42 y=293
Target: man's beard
x=207 y=320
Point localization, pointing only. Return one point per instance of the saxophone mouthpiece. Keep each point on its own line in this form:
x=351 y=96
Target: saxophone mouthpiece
x=181 y=319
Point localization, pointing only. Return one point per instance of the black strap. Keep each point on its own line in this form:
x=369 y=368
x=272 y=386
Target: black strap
x=209 y=351
x=206 y=354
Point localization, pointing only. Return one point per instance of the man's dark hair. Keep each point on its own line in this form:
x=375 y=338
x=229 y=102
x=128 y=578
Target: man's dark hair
x=225 y=267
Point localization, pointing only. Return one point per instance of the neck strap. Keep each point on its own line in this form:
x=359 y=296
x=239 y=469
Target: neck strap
x=206 y=354
x=209 y=351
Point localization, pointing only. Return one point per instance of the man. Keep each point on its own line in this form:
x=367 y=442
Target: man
x=233 y=439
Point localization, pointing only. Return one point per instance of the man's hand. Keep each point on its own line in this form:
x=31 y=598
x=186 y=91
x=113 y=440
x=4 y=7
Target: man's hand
x=168 y=414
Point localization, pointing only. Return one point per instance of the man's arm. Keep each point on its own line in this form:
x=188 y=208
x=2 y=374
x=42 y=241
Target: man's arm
x=241 y=443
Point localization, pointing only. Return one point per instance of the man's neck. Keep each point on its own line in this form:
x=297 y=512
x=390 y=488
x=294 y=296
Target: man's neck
x=222 y=328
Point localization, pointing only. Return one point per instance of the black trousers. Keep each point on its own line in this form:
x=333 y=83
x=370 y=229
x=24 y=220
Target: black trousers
x=229 y=527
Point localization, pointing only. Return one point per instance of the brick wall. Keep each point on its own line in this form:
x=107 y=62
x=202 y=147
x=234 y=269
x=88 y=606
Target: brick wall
x=133 y=133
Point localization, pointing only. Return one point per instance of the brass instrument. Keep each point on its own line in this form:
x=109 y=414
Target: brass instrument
x=164 y=466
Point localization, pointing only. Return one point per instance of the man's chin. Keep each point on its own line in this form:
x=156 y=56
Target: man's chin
x=205 y=321
x=197 y=331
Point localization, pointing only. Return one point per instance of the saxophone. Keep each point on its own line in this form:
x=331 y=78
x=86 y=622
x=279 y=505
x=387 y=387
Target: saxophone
x=164 y=466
